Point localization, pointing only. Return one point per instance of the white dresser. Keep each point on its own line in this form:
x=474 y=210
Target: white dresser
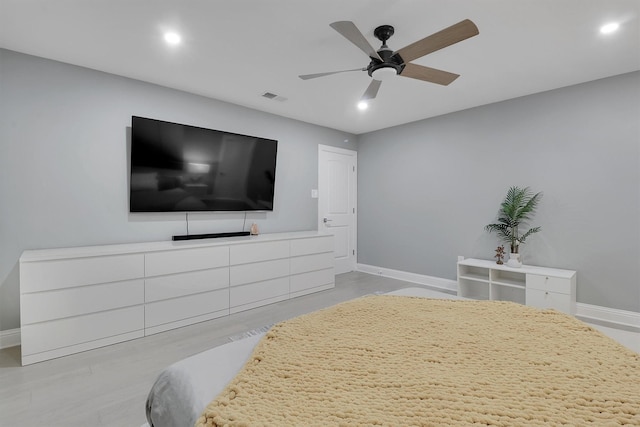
x=185 y=286
x=540 y=287
x=76 y=299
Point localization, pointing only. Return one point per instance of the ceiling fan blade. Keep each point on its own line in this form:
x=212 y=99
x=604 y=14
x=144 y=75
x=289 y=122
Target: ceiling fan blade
x=436 y=41
x=372 y=90
x=313 y=76
x=428 y=74
x=349 y=31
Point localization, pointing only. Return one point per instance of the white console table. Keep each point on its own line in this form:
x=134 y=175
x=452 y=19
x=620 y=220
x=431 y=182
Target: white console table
x=76 y=299
x=535 y=286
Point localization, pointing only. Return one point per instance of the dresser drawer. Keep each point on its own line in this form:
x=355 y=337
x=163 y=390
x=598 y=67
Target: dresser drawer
x=256 y=252
x=312 y=245
x=190 y=306
x=58 y=304
x=47 y=336
x=547 y=299
x=181 y=284
x=548 y=283
x=260 y=291
x=259 y=271
x=303 y=264
x=67 y=273
x=313 y=279
x=183 y=260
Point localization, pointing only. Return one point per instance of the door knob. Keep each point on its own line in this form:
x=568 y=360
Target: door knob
x=326 y=220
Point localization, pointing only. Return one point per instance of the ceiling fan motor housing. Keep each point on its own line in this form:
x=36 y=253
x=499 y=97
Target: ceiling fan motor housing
x=389 y=60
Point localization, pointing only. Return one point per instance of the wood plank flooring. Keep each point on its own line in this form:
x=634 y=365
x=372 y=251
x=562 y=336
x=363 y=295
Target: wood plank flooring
x=109 y=386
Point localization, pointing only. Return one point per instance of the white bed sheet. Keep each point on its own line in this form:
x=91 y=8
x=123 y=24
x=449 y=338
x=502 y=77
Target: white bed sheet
x=184 y=389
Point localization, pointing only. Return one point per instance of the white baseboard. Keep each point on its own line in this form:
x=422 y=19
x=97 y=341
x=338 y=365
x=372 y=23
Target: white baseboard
x=451 y=286
x=9 y=338
x=626 y=319
x=629 y=320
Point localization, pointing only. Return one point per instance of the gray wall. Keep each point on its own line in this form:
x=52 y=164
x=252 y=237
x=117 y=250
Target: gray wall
x=64 y=162
x=427 y=189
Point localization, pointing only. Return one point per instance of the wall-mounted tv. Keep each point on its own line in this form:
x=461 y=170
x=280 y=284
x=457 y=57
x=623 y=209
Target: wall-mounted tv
x=181 y=168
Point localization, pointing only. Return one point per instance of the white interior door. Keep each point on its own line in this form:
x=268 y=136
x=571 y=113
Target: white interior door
x=337 y=197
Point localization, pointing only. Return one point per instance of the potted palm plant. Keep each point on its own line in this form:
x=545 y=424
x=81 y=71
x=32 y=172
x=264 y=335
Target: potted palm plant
x=518 y=207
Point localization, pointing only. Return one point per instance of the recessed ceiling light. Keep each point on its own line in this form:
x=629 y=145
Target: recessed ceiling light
x=172 y=38
x=362 y=105
x=609 y=28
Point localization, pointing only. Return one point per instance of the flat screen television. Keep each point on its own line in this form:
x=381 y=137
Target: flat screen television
x=181 y=168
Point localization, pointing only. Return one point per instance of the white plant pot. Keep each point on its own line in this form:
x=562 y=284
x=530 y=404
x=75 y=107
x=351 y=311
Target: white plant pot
x=514 y=260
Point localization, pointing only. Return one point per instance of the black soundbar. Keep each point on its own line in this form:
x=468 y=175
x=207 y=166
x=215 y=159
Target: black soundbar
x=210 y=236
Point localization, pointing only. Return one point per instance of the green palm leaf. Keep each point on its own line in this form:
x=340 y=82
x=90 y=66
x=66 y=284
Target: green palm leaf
x=518 y=207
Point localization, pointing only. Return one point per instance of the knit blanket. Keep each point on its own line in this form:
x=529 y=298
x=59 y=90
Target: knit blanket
x=407 y=361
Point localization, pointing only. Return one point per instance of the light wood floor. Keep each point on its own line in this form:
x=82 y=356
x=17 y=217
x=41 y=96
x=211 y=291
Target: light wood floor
x=109 y=386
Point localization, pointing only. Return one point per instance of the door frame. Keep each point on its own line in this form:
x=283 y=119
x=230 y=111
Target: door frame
x=353 y=191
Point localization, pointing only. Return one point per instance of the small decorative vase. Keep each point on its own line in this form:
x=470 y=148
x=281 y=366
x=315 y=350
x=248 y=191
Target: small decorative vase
x=254 y=229
x=514 y=260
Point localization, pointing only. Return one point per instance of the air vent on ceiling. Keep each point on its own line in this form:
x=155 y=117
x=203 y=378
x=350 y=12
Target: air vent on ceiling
x=274 y=97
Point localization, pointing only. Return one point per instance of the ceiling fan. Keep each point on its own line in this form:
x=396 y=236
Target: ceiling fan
x=385 y=62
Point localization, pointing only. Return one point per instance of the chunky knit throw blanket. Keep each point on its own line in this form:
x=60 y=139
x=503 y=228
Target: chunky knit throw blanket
x=406 y=361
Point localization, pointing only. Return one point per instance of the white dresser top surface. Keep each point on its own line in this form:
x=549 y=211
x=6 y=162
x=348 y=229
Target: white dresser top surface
x=131 y=248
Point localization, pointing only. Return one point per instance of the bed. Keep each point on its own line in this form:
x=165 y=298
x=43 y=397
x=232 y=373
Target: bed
x=469 y=354
x=184 y=389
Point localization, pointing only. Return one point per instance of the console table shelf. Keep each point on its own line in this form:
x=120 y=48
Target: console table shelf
x=540 y=287
x=475 y=277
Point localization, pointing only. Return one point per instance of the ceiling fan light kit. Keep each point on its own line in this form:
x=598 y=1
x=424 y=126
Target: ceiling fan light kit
x=386 y=63
x=383 y=73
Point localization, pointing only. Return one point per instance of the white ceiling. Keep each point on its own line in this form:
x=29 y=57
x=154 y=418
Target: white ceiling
x=235 y=50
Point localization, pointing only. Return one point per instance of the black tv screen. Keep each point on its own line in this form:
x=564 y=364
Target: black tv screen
x=181 y=168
